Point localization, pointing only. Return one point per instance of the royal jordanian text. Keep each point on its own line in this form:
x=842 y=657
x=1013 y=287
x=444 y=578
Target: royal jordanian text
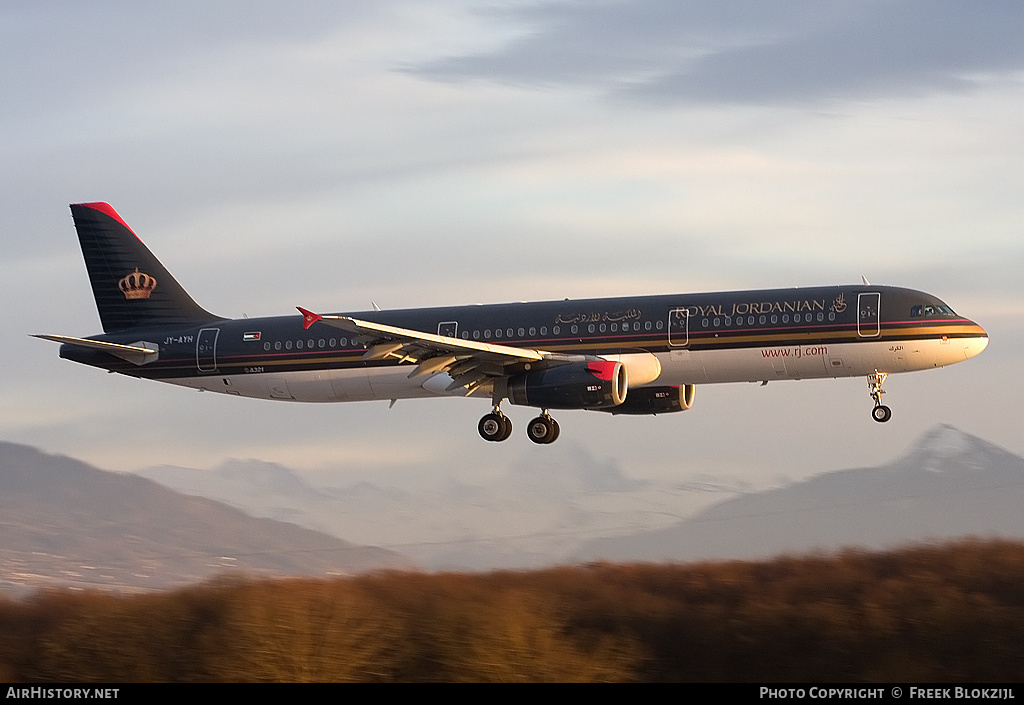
x=758 y=307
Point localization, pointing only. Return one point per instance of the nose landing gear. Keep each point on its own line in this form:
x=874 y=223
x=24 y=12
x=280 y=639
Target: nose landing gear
x=880 y=413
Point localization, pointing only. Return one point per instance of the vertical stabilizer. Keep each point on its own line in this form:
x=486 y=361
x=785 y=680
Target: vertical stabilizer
x=131 y=287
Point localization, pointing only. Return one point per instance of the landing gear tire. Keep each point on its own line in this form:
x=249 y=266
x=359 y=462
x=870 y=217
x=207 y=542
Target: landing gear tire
x=542 y=430
x=881 y=413
x=507 y=422
x=494 y=427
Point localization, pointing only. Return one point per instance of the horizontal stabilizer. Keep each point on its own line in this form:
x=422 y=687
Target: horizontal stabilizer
x=138 y=354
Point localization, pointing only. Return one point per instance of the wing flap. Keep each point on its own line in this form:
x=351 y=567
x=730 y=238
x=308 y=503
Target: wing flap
x=470 y=363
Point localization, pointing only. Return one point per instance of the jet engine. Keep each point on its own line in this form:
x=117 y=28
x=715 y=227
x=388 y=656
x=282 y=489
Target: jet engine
x=595 y=384
x=650 y=401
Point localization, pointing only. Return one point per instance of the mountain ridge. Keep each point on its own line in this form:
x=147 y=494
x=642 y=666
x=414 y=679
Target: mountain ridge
x=69 y=523
x=948 y=484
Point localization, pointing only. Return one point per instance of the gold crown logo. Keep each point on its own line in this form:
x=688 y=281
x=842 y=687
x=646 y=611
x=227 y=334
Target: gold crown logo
x=137 y=285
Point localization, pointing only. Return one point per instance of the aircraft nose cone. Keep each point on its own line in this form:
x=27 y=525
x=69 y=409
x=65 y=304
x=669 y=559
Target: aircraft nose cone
x=976 y=344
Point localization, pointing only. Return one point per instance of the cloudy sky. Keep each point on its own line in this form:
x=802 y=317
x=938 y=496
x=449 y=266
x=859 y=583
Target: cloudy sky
x=330 y=154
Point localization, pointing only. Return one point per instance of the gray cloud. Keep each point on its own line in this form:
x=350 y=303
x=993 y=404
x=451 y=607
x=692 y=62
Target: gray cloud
x=108 y=47
x=753 y=52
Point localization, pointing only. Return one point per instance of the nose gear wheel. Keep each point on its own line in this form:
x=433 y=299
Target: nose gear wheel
x=881 y=413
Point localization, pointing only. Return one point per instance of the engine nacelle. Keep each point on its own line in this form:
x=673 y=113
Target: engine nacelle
x=647 y=401
x=578 y=385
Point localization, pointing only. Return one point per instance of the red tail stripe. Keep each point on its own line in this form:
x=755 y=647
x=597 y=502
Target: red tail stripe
x=107 y=209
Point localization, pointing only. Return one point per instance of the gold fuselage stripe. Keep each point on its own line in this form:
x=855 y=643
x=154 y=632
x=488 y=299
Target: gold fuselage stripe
x=701 y=340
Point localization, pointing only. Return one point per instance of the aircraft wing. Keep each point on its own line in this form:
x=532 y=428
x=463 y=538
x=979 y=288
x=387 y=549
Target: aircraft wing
x=139 y=353
x=469 y=363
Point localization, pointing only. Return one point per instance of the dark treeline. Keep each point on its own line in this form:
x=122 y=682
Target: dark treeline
x=952 y=613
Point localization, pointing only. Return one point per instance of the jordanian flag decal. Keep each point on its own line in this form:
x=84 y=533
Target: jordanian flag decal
x=251 y=336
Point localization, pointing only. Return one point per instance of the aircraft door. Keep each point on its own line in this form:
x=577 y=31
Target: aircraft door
x=679 y=327
x=206 y=349
x=868 y=317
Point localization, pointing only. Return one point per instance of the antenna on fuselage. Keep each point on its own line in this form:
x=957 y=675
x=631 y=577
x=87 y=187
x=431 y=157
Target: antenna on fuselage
x=864 y=280
x=375 y=306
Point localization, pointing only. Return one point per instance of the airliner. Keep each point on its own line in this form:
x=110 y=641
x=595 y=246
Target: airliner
x=639 y=355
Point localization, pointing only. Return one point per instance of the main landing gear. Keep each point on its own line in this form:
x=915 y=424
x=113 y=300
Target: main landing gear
x=495 y=426
x=543 y=429
x=880 y=413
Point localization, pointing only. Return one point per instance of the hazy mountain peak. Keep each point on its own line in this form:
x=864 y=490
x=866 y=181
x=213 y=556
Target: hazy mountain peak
x=948 y=484
x=271 y=476
x=947 y=440
x=944 y=448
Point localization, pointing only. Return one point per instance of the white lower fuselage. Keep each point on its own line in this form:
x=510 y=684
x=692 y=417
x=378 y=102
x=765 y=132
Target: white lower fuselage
x=677 y=367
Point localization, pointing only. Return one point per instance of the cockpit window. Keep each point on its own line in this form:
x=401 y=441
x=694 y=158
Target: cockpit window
x=931 y=311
